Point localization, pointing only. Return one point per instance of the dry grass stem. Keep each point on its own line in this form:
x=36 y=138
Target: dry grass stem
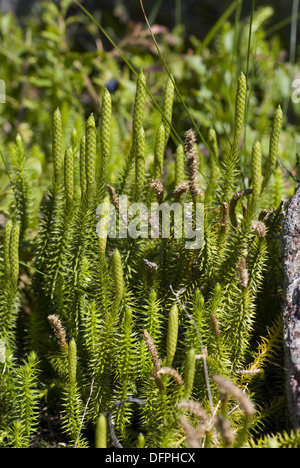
x=173 y=373
x=192 y=164
x=155 y=359
x=227 y=388
x=233 y=202
x=116 y=202
x=59 y=330
x=262 y=215
x=225 y=429
x=259 y=228
x=181 y=189
x=195 y=408
x=224 y=214
x=243 y=273
x=158 y=188
x=190 y=432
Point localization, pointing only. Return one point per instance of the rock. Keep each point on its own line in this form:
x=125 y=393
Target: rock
x=290 y=246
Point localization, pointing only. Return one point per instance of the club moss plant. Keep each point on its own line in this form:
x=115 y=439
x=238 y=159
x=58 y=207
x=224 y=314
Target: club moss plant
x=176 y=346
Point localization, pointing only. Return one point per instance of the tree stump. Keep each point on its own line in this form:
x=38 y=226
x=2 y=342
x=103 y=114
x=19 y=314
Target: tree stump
x=290 y=248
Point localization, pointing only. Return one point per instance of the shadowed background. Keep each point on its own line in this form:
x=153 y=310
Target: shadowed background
x=198 y=16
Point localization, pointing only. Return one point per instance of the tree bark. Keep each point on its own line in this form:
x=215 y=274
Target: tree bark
x=290 y=247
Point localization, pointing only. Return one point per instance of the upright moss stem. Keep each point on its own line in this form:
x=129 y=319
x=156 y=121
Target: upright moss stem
x=57 y=144
x=90 y=153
